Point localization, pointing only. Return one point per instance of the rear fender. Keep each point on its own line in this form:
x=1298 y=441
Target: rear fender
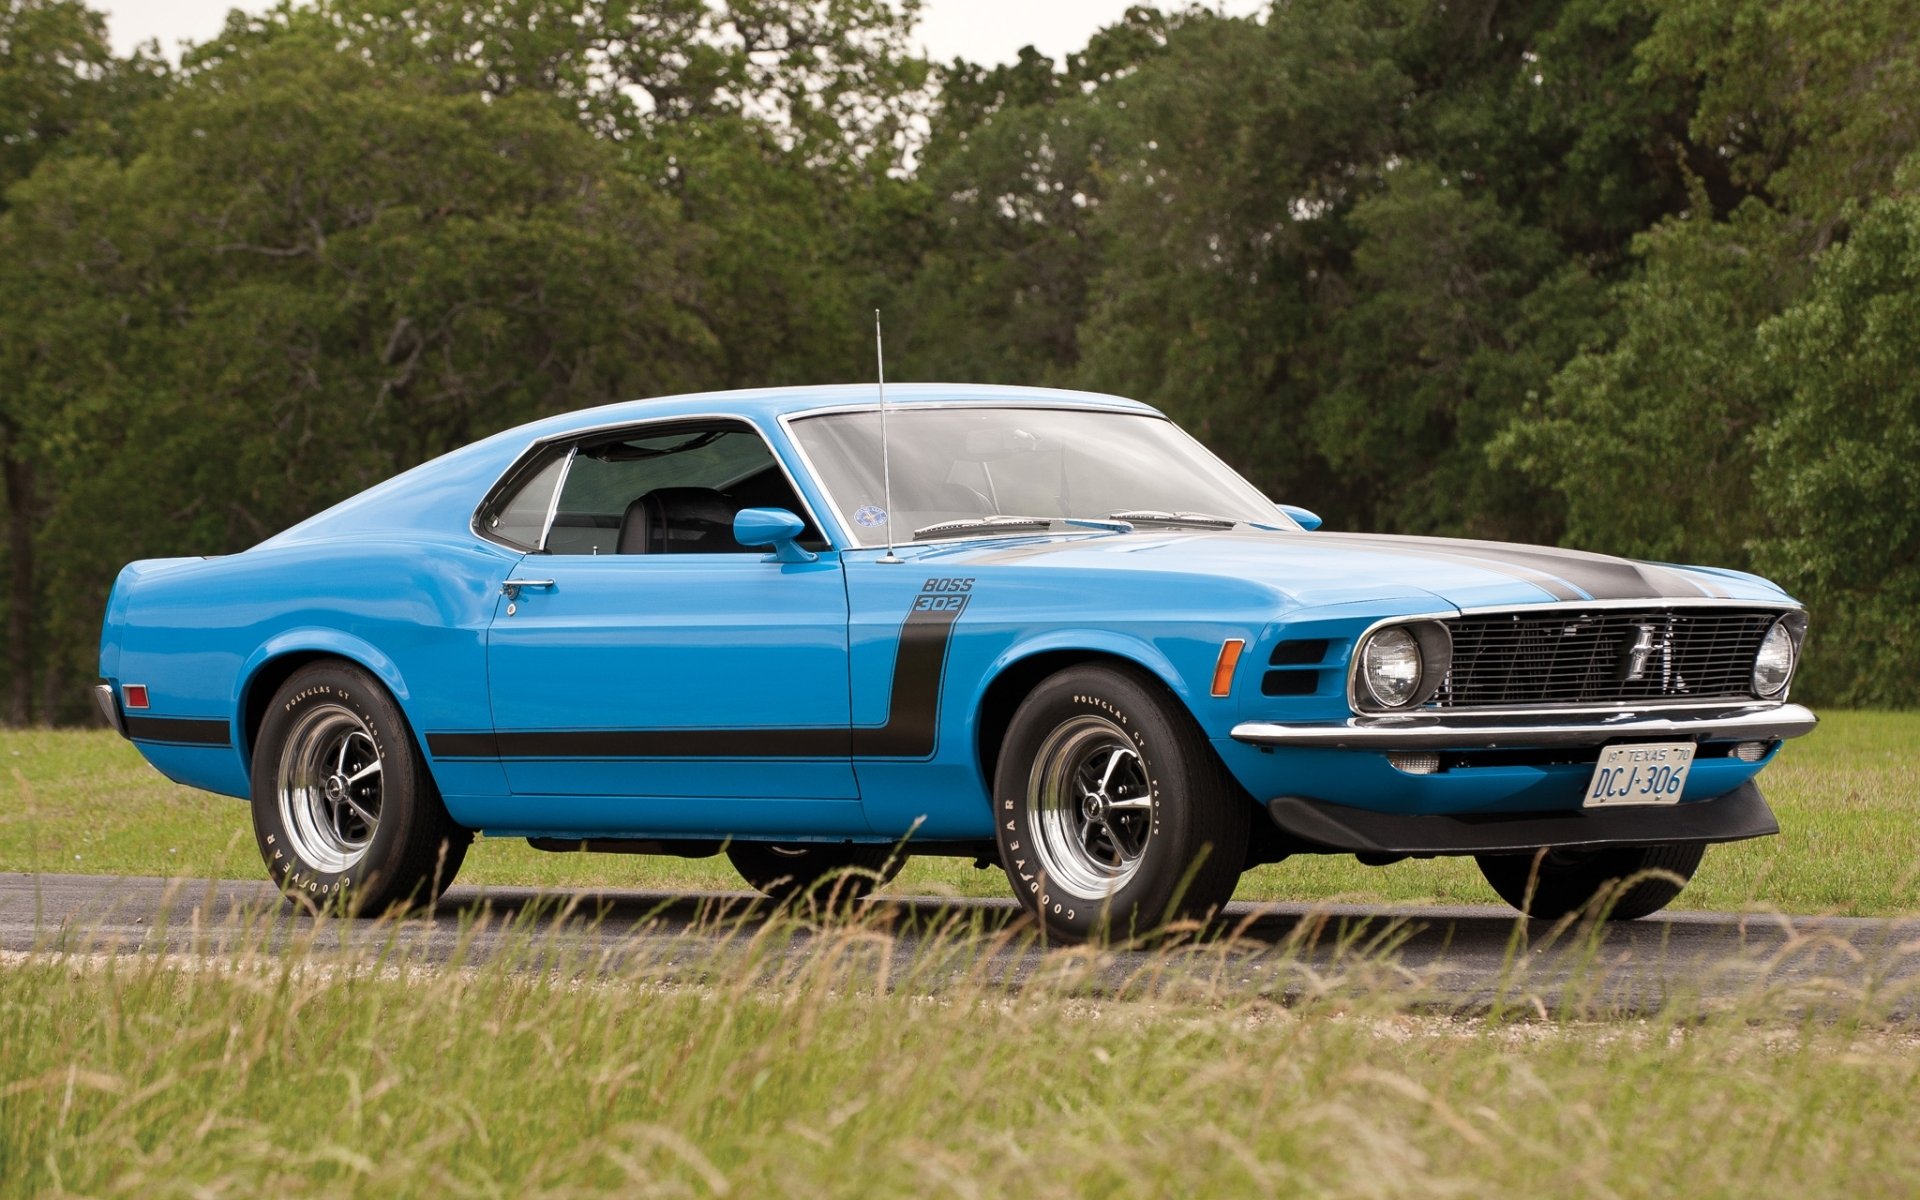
x=308 y=642
x=117 y=602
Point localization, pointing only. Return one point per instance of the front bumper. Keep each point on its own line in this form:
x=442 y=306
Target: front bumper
x=1464 y=732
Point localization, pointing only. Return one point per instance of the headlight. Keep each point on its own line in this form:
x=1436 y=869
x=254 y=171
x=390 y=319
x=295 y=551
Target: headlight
x=1773 y=666
x=1390 y=667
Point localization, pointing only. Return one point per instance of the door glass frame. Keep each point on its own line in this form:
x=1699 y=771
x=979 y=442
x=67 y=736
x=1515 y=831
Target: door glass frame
x=525 y=467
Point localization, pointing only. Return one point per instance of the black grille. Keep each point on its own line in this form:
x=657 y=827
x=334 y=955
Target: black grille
x=1290 y=683
x=1573 y=657
x=1304 y=653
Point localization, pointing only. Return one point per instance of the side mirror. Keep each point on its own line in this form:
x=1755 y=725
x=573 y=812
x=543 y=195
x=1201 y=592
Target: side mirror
x=775 y=527
x=1305 y=518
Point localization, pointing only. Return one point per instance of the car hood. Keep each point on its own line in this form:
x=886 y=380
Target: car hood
x=1316 y=569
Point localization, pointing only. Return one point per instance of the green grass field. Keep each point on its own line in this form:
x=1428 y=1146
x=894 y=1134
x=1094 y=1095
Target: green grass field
x=1848 y=798
x=743 y=1061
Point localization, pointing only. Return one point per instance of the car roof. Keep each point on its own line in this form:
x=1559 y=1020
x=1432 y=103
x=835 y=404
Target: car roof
x=441 y=493
x=766 y=404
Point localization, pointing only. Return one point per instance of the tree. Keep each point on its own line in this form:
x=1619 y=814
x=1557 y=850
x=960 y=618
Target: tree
x=1008 y=245
x=1456 y=312
x=354 y=234
x=1667 y=439
x=61 y=91
x=1648 y=441
x=316 y=275
x=1227 y=227
x=1840 y=468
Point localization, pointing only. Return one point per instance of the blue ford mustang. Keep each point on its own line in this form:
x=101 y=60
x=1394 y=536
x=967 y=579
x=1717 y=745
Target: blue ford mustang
x=1046 y=629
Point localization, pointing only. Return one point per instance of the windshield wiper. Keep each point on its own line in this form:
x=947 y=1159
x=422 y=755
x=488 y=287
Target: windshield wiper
x=997 y=521
x=1154 y=516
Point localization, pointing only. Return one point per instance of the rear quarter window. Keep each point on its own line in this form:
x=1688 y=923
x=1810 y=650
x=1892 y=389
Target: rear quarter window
x=519 y=516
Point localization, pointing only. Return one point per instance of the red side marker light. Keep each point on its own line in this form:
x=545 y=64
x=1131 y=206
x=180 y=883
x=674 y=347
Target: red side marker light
x=1223 y=667
x=133 y=695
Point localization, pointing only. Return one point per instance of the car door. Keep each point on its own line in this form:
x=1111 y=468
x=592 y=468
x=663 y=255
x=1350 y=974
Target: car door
x=644 y=657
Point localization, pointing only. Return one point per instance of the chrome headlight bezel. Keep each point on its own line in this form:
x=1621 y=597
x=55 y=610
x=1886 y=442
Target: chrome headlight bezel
x=1433 y=648
x=1785 y=633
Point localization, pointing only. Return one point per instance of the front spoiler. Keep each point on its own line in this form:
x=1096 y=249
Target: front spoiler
x=1736 y=816
x=1424 y=732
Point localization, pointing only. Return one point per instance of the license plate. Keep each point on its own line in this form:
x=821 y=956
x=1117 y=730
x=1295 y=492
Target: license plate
x=1654 y=773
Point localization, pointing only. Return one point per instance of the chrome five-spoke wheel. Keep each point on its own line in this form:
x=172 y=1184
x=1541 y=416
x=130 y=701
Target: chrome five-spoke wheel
x=343 y=808
x=1091 y=807
x=1113 y=817
x=329 y=787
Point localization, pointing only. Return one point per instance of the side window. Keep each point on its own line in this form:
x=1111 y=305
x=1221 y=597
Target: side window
x=671 y=492
x=519 y=516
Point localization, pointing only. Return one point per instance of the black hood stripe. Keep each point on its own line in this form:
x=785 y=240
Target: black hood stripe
x=1568 y=575
x=1599 y=576
x=1548 y=582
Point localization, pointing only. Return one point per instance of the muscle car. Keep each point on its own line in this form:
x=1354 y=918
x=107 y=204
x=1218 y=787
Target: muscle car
x=818 y=631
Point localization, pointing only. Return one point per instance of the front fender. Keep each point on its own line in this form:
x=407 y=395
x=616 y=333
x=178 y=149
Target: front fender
x=1137 y=650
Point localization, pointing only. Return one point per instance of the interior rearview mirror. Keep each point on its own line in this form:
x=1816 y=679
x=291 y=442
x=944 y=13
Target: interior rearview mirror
x=992 y=444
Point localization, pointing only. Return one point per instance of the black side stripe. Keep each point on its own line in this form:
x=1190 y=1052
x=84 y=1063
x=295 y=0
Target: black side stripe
x=645 y=743
x=181 y=731
x=919 y=668
x=912 y=728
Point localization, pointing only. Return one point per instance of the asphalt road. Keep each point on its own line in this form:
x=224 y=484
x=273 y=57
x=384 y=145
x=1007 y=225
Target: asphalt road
x=1458 y=959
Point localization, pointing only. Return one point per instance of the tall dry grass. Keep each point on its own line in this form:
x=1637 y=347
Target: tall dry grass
x=539 y=1054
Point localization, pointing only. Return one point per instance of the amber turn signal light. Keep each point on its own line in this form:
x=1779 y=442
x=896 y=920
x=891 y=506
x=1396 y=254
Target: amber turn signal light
x=1224 y=665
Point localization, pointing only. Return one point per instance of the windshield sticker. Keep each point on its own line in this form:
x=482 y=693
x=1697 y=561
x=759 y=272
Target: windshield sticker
x=867 y=516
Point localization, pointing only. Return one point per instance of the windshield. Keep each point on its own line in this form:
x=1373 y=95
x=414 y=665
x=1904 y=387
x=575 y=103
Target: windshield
x=952 y=466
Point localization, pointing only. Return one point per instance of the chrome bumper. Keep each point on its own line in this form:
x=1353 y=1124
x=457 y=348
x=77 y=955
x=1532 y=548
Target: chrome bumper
x=109 y=707
x=1462 y=732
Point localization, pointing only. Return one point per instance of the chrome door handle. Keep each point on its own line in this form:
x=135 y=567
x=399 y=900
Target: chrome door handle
x=511 y=588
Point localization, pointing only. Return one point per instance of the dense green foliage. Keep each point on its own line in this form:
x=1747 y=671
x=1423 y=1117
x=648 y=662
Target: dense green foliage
x=1636 y=276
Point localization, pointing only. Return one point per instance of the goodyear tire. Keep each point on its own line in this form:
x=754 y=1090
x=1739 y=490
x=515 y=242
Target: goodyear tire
x=1568 y=881
x=828 y=874
x=1112 y=813
x=344 y=811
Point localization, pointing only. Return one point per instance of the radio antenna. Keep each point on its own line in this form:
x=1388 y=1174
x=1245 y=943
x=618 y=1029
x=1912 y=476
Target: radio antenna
x=886 y=460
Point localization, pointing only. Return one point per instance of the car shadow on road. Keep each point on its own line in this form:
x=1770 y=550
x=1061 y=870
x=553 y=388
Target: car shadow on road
x=1301 y=926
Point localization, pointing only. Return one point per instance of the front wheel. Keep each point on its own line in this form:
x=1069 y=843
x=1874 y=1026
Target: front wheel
x=343 y=809
x=1568 y=881
x=1112 y=813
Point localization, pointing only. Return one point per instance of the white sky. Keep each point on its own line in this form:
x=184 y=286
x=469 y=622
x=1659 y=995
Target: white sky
x=980 y=30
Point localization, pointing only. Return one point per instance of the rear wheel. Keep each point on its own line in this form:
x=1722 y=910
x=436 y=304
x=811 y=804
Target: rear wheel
x=1567 y=881
x=343 y=809
x=1113 y=814
x=820 y=872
